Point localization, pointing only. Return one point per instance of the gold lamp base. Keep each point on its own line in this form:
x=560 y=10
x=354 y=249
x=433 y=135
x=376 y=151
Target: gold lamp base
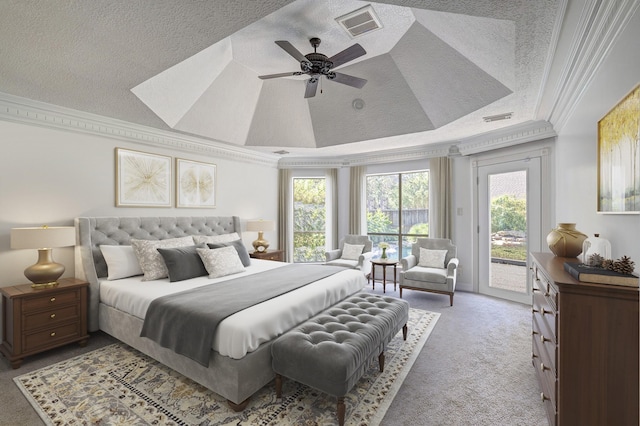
x=45 y=272
x=260 y=244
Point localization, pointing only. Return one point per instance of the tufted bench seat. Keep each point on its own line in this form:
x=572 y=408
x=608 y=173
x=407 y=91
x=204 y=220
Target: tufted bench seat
x=331 y=351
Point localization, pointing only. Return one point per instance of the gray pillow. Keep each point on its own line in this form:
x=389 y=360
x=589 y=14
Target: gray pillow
x=183 y=263
x=240 y=248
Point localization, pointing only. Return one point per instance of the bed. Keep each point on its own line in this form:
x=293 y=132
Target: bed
x=240 y=357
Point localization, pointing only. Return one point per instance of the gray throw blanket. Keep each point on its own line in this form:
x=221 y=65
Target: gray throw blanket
x=185 y=322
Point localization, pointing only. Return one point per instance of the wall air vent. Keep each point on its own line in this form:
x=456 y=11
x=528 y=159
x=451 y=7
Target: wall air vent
x=361 y=21
x=497 y=117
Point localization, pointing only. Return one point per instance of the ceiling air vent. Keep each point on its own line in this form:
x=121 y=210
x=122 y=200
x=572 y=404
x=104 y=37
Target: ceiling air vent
x=498 y=117
x=360 y=21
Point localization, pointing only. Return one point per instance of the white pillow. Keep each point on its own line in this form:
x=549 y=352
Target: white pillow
x=150 y=260
x=352 y=251
x=214 y=239
x=121 y=262
x=221 y=262
x=432 y=258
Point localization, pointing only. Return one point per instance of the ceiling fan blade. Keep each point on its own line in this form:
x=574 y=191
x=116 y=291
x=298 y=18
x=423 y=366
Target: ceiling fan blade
x=349 y=80
x=348 y=54
x=288 y=47
x=282 y=74
x=312 y=87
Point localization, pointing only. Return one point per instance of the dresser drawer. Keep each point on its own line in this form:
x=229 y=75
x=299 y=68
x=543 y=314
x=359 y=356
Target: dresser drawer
x=50 y=300
x=546 y=314
x=50 y=317
x=547 y=348
x=52 y=336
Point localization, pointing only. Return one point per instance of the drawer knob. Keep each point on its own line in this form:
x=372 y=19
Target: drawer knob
x=53 y=299
x=52 y=316
x=544 y=339
x=543 y=367
x=534 y=310
x=53 y=334
x=543 y=397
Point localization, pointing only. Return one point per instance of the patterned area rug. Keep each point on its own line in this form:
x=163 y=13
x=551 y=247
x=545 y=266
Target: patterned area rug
x=117 y=385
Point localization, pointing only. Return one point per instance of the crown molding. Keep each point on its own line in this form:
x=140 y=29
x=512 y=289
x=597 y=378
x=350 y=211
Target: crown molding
x=509 y=136
x=600 y=24
x=35 y=113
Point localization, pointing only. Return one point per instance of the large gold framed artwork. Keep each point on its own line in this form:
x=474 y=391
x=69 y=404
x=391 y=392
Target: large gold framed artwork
x=619 y=157
x=142 y=179
x=195 y=184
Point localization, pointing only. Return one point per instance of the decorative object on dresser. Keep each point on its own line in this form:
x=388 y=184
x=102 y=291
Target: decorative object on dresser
x=195 y=184
x=36 y=320
x=260 y=226
x=45 y=272
x=584 y=346
x=604 y=271
x=596 y=245
x=277 y=255
x=142 y=180
x=565 y=240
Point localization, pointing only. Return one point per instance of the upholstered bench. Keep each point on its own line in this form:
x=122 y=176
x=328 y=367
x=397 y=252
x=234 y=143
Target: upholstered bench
x=331 y=351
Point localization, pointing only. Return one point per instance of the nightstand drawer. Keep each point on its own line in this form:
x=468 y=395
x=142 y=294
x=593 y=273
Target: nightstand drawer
x=52 y=336
x=50 y=317
x=50 y=299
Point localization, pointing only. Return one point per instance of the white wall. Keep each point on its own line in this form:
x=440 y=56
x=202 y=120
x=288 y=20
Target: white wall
x=51 y=176
x=576 y=161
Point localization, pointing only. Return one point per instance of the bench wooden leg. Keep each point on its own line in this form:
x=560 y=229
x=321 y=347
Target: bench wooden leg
x=404 y=332
x=381 y=362
x=278 y=386
x=341 y=410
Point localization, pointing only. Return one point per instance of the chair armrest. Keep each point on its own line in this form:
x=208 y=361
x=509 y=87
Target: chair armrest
x=332 y=254
x=452 y=266
x=364 y=262
x=408 y=262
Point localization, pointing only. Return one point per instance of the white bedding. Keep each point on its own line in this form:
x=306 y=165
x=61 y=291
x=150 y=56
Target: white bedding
x=244 y=331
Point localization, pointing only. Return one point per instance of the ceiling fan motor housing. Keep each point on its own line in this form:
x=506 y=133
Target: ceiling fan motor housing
x=318 y=64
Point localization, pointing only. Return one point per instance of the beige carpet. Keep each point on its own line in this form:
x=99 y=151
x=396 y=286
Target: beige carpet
x=119 y=385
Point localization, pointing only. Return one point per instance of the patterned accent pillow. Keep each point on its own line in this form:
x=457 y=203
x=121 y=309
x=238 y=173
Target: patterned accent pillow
x=240 y=248
x=352 y=251
x=150 y=260
x=121 y=261
x=432 y=258
x=214 y=239
x=221 y=262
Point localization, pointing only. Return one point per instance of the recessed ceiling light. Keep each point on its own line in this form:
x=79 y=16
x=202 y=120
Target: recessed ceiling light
x=498 y=117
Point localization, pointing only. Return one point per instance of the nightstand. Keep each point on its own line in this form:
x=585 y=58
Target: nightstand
x=277 y=255
x=36 y=320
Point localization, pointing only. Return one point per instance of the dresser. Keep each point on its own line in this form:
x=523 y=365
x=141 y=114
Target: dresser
x=36 y=320
x=584 y=346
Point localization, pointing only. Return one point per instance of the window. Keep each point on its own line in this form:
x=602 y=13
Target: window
x=397 y=211
x=309 y=219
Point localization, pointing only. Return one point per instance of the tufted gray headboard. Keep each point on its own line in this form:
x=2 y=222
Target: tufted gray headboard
x=91 y=232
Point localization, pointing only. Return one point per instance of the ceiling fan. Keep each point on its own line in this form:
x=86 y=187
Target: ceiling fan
x=316 y=65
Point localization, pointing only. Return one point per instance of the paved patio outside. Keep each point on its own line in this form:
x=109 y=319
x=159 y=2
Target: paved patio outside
x=509 y=277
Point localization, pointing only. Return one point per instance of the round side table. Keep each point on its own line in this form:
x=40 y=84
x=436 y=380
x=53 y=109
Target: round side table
x=384 y=263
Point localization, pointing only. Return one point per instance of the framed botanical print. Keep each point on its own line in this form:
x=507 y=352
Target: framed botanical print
x=142 y=179
x=195 y=184
x=619 y=157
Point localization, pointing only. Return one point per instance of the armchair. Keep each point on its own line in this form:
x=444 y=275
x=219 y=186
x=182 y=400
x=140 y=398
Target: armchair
x=431 y=266
x=360 y=261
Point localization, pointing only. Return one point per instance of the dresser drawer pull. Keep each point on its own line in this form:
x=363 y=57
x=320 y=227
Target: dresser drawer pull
x=52 y=316
x=544 y=311
x=543 y=367
x=53 y=299
x=544 y=339
x=534 y=310
x=53 y=334
x=543 y=397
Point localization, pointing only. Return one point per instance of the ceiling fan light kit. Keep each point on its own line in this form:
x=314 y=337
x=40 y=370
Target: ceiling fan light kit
x=316 y=65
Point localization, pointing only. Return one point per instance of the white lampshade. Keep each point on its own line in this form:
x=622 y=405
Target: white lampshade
x=261 y=225
x=43 y=237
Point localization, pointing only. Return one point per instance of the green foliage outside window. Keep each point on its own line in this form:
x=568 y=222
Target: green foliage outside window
x=309 y=220
x=508 y=213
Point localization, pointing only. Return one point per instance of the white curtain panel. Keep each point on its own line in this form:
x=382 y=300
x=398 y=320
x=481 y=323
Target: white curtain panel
x=284 y=194
x=440 y=195
x=356 y=186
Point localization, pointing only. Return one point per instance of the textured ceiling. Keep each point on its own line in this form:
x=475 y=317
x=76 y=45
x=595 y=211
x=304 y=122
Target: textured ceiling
x=433 y=70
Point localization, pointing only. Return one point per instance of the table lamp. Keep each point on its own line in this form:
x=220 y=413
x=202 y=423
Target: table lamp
x=45 y=272
x=260 y=226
